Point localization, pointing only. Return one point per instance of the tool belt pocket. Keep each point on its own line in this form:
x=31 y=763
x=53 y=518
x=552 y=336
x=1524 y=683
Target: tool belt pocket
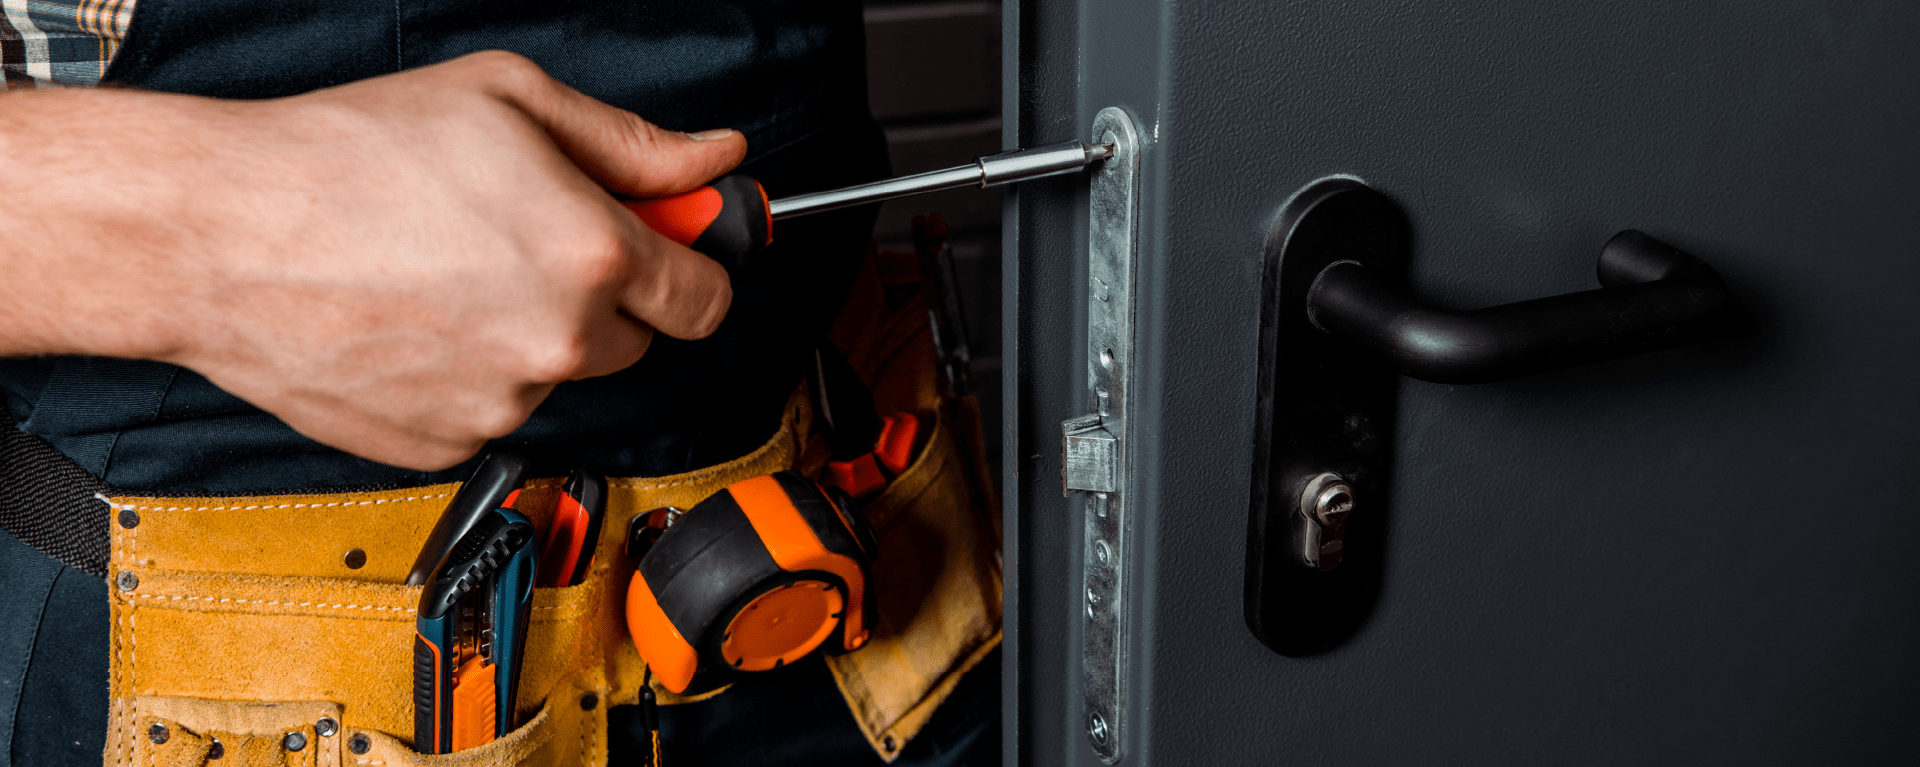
x=249 y=669
x=938 y=573
x=275 y=630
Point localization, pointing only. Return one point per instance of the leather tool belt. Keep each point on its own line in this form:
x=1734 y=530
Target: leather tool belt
x=275 y=629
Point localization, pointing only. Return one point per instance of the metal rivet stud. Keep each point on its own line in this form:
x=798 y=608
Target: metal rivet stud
x=216 y=750
x=157 y=733
x=126 y=581
x=356 y=559
x=359 y=743
x=294 y=741
x=129 y=518
x=326 y=727
x=588 y=701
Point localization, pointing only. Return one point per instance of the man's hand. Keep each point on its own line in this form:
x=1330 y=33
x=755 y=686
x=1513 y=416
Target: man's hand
x=402 y=267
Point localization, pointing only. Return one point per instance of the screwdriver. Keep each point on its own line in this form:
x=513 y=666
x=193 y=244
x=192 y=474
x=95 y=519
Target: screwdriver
x=731 y=220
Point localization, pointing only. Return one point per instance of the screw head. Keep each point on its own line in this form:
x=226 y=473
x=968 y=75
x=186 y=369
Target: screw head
x=126 y=581
x=326 y=727
x=359 y=743
x=158 y=733
x=294 y=741
x=129 y=518
x=1097 y=728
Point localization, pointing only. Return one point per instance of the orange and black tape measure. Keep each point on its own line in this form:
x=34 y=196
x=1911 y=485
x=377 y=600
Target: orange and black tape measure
x=753 y=578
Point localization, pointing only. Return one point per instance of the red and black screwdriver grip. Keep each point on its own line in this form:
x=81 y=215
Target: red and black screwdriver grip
x=728 y=220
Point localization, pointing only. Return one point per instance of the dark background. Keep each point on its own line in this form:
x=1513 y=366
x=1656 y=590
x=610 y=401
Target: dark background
x=934 y=73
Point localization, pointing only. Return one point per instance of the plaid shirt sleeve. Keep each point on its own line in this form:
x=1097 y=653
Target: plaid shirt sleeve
x=54 y=43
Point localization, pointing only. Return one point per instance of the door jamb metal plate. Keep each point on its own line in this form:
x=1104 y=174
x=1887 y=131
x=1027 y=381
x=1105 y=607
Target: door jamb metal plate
x=1096 y=448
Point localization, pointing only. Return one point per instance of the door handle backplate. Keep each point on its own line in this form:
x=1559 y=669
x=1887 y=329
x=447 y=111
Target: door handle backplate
x=1323 y=427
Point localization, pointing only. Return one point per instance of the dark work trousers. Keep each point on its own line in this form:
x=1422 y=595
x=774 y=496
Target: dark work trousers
x=53 y=660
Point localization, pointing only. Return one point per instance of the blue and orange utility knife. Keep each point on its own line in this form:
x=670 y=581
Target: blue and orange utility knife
x=472 y=618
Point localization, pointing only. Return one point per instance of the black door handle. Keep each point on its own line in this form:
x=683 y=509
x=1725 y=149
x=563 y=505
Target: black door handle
x=1336 y=334
x=1655 y=296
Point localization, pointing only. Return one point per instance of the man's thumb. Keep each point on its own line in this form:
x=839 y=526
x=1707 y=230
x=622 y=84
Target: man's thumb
x=622 y=152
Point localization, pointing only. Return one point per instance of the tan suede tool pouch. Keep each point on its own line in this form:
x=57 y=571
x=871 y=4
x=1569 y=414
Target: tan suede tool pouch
x=244 y=627
x=243 y=622
x=938 y=577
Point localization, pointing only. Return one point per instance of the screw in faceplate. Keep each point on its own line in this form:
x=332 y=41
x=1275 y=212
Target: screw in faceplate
x=1097 y=728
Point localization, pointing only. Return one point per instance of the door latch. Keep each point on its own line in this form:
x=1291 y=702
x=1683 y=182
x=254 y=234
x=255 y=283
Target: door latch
x=1095 y=447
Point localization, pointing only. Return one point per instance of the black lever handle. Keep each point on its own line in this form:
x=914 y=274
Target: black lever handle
x=1655 y=297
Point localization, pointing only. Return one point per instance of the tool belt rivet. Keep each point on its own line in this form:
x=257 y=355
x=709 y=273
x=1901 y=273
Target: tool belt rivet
x=326 y=727
x=217 y=750
x=588 y=701
x=129 y=518
x=127 y=581
x=356 y=559
x=359 y=743
x=157 y=733
x=295 y=741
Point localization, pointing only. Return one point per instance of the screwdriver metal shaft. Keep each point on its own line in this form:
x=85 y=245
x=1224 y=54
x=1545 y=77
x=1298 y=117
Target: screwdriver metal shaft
x=992 y=170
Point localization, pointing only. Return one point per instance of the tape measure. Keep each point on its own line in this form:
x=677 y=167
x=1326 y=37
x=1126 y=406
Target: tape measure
x=753 y=578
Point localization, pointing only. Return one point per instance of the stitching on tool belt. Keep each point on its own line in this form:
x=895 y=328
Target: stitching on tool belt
x=573 y=610
x=178 y=597
x=133 y=686
x=586 y=748
x=138 y=507
x=635 y=484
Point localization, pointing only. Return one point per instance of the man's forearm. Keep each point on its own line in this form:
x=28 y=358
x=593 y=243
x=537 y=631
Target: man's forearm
x=84 y=232
x=401 y=267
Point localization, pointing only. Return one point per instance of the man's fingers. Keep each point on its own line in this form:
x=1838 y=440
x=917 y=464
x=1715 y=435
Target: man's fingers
x=406 y=448
x=676 y=290
x=623 y=342
x=613 y=146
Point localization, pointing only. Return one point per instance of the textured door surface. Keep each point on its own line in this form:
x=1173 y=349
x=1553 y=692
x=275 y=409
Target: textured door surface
x=1708 y=555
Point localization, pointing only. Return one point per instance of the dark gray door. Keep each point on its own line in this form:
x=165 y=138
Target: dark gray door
x=1707 y=555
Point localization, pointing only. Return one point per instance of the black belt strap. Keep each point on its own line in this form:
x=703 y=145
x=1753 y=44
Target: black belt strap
x=48 y=502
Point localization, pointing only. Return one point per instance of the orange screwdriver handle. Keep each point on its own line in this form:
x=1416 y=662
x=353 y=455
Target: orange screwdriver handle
x=728 y=220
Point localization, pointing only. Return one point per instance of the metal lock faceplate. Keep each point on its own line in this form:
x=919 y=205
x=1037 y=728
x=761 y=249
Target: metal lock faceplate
x=1095 y=447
